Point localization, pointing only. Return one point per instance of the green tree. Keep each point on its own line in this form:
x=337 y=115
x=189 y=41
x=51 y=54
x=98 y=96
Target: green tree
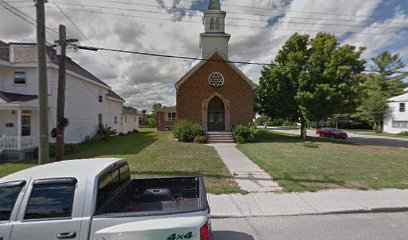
x=388 y=66
x=311 y=79
x=374 y=107
x=130 y=108
x=156 y=106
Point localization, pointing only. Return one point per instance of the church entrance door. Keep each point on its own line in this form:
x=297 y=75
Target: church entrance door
x=216 y=115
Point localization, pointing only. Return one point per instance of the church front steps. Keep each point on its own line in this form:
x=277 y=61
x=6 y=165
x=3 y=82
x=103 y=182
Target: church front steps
x=220 y=137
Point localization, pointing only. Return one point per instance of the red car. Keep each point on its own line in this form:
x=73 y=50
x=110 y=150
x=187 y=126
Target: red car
x=331 y=133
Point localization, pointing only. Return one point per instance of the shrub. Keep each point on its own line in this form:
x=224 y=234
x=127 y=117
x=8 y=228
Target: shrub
x=200 y=139
x=104 y=132
x=122 y=134
x=246 y=133
x=405 y=133
x=262 y=120
x=68 y=149
x=186 y=131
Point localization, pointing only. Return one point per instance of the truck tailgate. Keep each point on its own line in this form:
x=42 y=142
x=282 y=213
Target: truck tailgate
x=178 y=228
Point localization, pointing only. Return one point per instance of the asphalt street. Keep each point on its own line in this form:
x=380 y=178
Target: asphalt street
x=357 y=138
x=372 y=226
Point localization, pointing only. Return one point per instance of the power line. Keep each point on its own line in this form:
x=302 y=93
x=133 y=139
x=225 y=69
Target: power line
x=241 y=26
x=90 y=48
x=103 y=56
x=232 y=18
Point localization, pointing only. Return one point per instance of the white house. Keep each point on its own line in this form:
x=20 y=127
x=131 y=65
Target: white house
x=130 y=120
x=89 y=101
x=397 y=119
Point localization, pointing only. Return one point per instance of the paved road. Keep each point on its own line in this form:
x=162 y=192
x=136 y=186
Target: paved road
x=374 y=226
x=358 y=138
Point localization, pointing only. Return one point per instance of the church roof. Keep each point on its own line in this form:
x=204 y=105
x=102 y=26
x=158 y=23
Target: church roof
x=200 y=64
x=214 y=5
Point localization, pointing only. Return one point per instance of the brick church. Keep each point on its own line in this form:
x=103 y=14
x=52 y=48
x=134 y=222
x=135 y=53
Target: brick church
x=214 y=93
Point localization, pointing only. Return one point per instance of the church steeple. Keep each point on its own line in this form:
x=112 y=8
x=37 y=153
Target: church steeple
x=214 y=36
x=214 y=5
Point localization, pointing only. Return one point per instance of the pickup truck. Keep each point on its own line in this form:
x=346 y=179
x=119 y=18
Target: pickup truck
x=97 y=199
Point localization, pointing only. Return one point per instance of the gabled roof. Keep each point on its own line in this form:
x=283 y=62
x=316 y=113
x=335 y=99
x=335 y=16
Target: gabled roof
x=129 y=112
x=200 y=64
x=167 y=109
x=9 y=97
x=114 y=95
x=399 y=98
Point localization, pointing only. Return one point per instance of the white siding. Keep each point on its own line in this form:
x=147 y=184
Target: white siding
x=396 y=116
x=209 y=44
x=115 y=109
x=131 y=124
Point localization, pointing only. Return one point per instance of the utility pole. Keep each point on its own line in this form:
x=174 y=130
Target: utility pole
x=43 y=156
x=61 y=120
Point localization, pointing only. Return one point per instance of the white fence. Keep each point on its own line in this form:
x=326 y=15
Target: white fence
x=12 y=142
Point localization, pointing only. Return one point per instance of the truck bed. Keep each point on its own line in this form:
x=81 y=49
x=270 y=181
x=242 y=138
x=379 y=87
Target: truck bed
x=164 y=195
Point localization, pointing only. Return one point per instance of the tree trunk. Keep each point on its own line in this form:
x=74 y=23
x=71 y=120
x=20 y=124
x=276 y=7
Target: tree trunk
x=303 y=134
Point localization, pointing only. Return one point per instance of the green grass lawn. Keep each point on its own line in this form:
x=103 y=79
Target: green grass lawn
x=152 y=153
x=334 y=164
x=372 y=132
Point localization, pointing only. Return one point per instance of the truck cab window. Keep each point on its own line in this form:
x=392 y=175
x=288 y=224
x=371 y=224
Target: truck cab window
x=8 y=197
x=51 y=200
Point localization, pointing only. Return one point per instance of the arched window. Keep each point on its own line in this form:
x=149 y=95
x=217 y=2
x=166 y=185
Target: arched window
x=212 y=23
x=217 y=24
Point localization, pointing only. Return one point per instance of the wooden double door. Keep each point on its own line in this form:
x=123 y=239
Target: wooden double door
x=216 y=115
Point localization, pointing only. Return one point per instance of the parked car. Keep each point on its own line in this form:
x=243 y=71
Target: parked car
x=97 y=199
x=331 y=133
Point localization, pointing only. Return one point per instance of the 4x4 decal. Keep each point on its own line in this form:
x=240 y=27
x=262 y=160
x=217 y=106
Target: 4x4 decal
x=175 y=236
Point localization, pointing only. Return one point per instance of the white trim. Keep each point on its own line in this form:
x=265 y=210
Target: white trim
x=200 y=64
x=115 y=99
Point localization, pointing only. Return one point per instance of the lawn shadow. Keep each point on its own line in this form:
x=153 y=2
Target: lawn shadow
x=306 y=183
x=231 y=235
x=271 y=136
x=129 y=144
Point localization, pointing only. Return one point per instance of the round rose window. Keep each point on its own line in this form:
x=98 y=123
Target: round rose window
x=216 y=80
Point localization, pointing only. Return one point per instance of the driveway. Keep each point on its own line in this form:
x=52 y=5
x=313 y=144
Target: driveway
x=353 y=137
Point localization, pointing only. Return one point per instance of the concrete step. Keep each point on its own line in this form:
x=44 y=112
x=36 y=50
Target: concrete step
x=220 y=141
x=220 y=137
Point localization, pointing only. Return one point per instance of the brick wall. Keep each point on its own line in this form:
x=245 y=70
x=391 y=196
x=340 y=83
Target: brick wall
x=162 y=124
x=195 y=90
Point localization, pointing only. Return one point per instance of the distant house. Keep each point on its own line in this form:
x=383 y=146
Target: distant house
x=397 y=119
x=130 y=121
x=89 y=101
x=166 y=117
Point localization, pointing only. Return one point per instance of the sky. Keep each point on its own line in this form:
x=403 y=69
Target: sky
x=258 y=30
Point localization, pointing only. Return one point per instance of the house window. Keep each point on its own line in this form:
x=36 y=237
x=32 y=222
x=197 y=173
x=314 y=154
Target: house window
x=135 y=119
x=212 y=23
x=100 y=98
x=402 y=107
x=400 y=124
x=125 y=118
x=26 y=125
x=217 y=24
x=171 y=116
x=115 y=120
x=100 y=122
x=20 y=77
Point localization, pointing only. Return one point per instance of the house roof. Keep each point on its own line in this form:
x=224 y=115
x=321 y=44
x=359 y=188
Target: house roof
x=129 y=112
x=114 y=95
x=167 y=109
x=4 y=51
x=16 y=97
x=399 y=98
x=200 y=64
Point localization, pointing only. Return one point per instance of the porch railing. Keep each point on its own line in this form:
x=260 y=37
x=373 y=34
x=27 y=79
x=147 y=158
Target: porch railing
x=12 y=142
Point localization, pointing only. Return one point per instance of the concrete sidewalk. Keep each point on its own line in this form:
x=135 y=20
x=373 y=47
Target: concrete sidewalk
x=247 y=174
x=308 y=203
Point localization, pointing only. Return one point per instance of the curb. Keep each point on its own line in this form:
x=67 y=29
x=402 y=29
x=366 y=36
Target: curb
x=343 y=212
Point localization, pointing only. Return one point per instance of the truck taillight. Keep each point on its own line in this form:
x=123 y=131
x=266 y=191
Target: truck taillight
x=205 y=232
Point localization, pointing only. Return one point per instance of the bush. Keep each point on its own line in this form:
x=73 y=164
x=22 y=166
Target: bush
x=405 y=133
x=68 y=149
x=121 y=134
x=104 y=132
x=262 y=120
x=246 y=133
x=200 y=139
x=186 y=131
